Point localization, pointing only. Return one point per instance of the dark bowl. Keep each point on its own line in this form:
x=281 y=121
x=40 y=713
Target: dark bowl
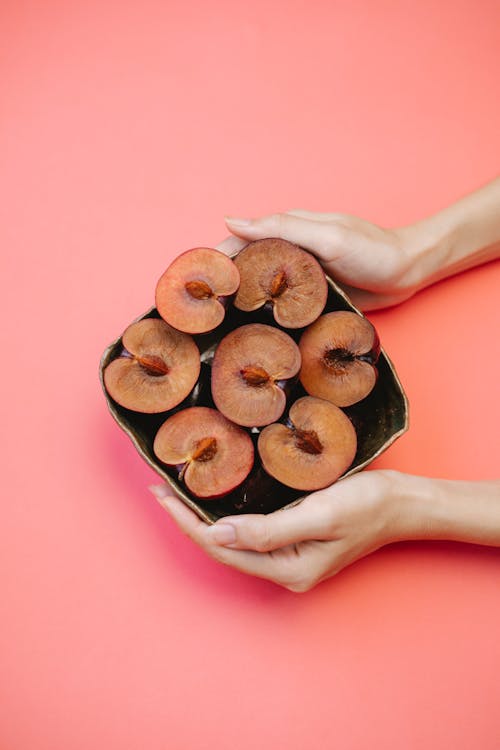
x=379 y=420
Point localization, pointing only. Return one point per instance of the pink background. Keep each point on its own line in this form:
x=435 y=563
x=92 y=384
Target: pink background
x=128 y=129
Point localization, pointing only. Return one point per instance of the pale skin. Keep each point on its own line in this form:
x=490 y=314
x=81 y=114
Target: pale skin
x=300 y=546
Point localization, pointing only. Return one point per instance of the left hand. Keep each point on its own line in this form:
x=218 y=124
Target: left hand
x=300 y=546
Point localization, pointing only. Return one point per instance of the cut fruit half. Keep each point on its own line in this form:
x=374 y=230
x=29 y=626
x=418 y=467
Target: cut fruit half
x=316 y=447
x=213 y=454
x=280 y=273
x=339 y=353
x=251 y=368
x=157 y=369
x=192 y=293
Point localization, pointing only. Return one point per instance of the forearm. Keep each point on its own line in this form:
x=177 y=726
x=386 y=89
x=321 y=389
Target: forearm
x=461 y=236
x=424 y=508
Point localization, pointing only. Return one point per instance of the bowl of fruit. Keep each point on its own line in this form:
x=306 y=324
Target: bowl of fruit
x=252 y=381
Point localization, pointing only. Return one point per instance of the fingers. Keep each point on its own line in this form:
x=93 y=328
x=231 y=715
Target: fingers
x=367 y=301
x=231 y=245
x=285 y=570
x=310 y=520
x=317 y=236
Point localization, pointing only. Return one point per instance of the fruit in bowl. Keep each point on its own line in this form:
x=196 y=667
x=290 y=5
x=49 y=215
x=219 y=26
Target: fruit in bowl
x=258 y=420
x=252 y=366
x=277 y=273
x=339 y=355
x=157 y=367
x=193 y=293
x=312 y=448
x=212 y=454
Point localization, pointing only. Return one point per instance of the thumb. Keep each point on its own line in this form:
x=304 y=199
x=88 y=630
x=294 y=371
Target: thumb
x=319 y=236
x=310 y=519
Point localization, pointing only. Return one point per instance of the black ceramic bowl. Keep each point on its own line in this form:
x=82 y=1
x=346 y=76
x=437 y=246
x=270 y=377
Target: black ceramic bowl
x=379 y=420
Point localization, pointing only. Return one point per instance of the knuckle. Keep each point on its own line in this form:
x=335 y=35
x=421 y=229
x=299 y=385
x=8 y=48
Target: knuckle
x=323 y=508
x=300 y=586
x=300 y=578
x=280 y=222
x=262 y=536
x=336 y=232
x=293 y=576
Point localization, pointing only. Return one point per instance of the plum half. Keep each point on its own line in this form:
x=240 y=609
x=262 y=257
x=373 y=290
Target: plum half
x=313 y=450
x=213 y=454
x=250 y=370
x=158 y=368
x=339 y=355
x=277 y=272
x=192 y=293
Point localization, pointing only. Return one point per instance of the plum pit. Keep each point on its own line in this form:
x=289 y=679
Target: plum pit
x=199 y=289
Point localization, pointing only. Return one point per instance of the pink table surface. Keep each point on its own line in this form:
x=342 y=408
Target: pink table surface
x=127 y=131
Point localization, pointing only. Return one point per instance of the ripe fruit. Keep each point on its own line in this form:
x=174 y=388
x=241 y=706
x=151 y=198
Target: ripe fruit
x=213 y=454
x=276 y=272
x=192 y=293
x=157 y=369
x=250 y=369
x=339 y=352
x=313 y=450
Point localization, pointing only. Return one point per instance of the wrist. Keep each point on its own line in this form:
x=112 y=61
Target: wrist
x=409 y=507
x=459 y=237
x=443 y=509
x=427 y=245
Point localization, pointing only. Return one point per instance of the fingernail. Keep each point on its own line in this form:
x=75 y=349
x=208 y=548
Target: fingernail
x=223 y=533
x=160 y=491
x=237 y=221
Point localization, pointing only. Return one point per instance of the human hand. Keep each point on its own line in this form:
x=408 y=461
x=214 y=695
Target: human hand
x=373 y=265
x=380 y=267
x=300 y=546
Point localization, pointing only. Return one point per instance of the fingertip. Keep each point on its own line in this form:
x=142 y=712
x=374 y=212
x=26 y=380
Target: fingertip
x=168 y=501
x=294 y=226
x=241 y=227
x=159 y=491
x=237 y=221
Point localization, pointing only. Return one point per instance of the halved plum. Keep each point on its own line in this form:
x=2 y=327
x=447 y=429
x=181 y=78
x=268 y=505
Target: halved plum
x=316 y=447
x=339 y=355
x=250 y=370
x=158 y=368
x=193 y=292
x=213 y=454
x=284 y=275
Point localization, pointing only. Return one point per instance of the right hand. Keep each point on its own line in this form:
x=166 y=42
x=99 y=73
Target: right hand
x=373 y=265
x=300 y=546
